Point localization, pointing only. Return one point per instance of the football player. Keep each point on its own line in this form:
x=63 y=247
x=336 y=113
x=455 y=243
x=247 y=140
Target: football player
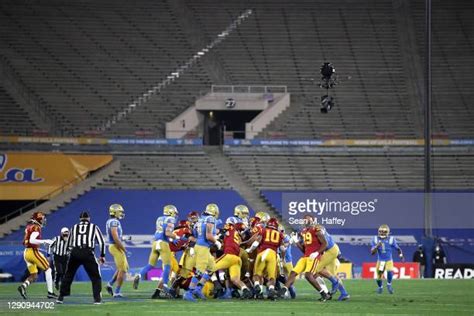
x=116 y=249
x=34 y=259
x=383 y=245
x=327 y=263
x=269 y=240
x=205 y=230
x=165 y=226
x=286 y=261
x=231 y=260
x=309 y=245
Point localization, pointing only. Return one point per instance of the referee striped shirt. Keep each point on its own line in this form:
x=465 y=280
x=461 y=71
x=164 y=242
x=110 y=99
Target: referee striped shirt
x=59 y=246
x=86 y=235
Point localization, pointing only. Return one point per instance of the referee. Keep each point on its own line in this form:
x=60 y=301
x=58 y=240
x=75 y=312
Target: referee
x=60 y=254
x=81 y=242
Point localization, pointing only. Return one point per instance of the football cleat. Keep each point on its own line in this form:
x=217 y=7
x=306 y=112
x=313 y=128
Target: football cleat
x=227 y=295
x=188 y=296
x=156 y=294
x=51 y=295
x=272 y=295
x=118 y=295
x=109 y=289
x=344 y=297
x=136 y=282
x=98 y=303
x=246 y=294
x=324 y=297
x=335 y=287
x=283 y=292
x=60 y=300
x=292 y=292
x=199 y=294
x=379 y=290
x=390 y=288
x=22 y=291
x=257 y=289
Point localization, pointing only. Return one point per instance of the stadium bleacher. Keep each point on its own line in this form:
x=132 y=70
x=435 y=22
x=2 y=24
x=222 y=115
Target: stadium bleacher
x=352 y=171
x=452 y=50
x=14 y=120
x=178 y=170
x=87 y=62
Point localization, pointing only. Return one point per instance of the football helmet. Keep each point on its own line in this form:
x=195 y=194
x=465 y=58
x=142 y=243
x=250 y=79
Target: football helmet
x=254 y=221
x=241 y=211
x=231 y=221
x=117 y=211
x=212 y=209
x=170 y=210
x=273 y=223
x=281 y=228
x=264 y=217
x=384 y=231
x=182 y=223
x=39 y=218
x=193 y=217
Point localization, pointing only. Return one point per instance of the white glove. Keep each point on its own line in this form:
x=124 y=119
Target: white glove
x=294 y=238
x=218 y=244
x=157 y=246
x=47 y=241
x=191 y=251
x=314 y=255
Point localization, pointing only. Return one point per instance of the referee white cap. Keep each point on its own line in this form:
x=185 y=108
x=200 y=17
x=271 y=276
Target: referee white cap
x=64 y=230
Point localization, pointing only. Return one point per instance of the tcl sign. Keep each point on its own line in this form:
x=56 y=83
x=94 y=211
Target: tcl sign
x=401 y=270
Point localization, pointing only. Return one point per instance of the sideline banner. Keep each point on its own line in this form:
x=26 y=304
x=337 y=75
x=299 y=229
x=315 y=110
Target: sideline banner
x=344 y=271
x=401 y=270
x=454 y=271
x=32 y=176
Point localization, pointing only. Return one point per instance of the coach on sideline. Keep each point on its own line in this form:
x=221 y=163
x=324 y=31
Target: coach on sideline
x=81 y=242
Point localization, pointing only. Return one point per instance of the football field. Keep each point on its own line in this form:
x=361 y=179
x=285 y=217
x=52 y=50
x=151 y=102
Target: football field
x=435 y=297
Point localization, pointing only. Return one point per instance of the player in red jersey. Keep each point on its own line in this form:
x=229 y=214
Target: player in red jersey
x=270 y=239
x=309 y=245
x=231 y=260
x=34 y=259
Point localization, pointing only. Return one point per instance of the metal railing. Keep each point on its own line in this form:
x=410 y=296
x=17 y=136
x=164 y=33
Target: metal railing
x=37 y=202
x=248 y=89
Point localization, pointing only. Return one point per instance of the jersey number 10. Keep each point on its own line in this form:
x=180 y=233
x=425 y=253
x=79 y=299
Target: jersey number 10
x=273 y=236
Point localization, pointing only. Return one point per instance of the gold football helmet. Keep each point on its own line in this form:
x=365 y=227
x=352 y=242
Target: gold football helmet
x=384 y=231
x=241 y=211
x=264 y=217
x=212 y=209
x=170 y=210
x=117 y=211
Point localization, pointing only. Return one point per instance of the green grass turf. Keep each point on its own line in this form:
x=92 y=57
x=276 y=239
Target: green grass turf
x=435 y=297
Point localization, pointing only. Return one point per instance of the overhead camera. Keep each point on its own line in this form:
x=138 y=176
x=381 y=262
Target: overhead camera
x=327 y=103
x=328 y=81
